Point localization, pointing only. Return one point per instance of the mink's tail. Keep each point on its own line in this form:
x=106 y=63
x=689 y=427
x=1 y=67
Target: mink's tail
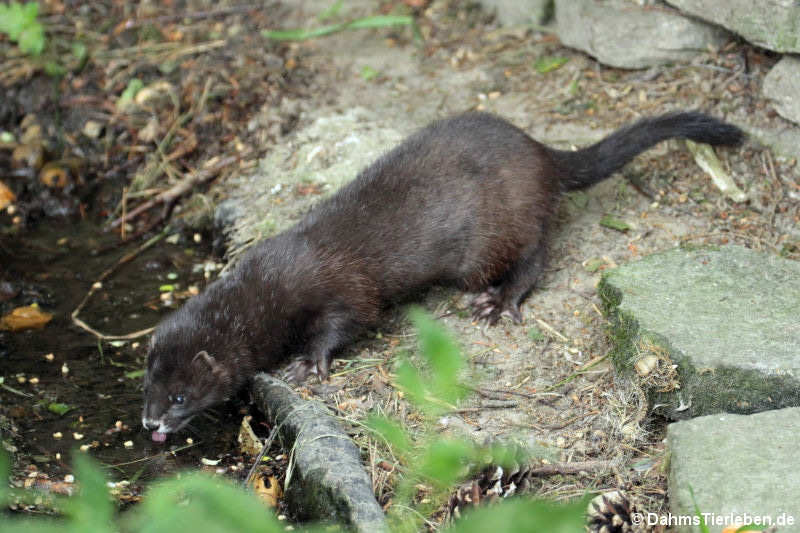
x=594 y=163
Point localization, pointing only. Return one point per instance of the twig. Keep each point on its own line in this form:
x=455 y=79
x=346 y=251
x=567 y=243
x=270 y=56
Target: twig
x=578 y=372
x=97 y=285
x=171 y=195
x=15 y=391
x=267 y=444
x=505 y=405
x=570 y=468
x=552 y=330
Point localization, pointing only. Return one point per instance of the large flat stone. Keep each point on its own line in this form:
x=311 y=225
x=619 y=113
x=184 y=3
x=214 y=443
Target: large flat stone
x=782 y=86
x=623 y=34
x=728 y=318
x=517 y=12
x=774 y=24
x=736 y=465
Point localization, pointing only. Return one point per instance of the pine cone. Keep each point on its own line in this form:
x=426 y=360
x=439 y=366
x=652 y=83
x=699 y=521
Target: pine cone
x=610 y=513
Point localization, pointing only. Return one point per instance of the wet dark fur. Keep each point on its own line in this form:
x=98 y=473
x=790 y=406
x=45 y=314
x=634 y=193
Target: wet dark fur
x=466 y=201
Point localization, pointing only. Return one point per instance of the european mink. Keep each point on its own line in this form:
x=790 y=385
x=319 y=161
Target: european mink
x=466 y=201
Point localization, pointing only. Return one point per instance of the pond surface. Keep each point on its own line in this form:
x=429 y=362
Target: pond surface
x=99 y=382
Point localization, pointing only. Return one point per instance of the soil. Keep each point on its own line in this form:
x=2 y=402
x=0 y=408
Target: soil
x=232 y=95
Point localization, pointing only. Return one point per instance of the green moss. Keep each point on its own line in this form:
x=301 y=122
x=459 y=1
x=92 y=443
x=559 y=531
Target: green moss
x=701 y=391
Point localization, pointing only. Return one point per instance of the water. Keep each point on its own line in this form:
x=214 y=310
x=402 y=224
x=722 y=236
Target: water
x=55 y=265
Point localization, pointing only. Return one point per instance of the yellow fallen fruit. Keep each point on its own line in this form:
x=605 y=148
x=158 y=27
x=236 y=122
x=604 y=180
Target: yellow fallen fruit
x=28 y=317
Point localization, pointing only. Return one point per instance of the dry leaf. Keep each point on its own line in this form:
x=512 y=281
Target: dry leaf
x=7 y=196
x=249 y=443
x=28 y=317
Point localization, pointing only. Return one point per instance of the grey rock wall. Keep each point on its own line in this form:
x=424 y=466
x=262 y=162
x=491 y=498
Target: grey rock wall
x=626 y=35
x=514 y=13
x=773 y=24
x=782 y=86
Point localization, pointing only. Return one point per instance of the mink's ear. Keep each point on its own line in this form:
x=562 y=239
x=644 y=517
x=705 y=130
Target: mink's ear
x=203 y=358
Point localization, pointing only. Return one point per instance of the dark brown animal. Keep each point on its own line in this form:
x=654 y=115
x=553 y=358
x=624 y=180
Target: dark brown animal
x=466 y=201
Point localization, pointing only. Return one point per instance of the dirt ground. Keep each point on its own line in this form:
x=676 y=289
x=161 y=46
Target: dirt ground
x=546 y=384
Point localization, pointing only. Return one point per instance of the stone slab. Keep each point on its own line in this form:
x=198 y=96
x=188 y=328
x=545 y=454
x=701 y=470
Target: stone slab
x=736 y=465
x=782 y=86
x=623 y=34
x=773 y=24
x=729 y=318
x=519 y=12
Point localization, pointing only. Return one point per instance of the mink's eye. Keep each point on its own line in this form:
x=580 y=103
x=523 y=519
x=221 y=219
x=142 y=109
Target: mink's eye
x=177 y=399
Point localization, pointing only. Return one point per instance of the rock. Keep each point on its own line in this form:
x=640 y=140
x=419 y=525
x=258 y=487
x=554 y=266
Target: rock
x=782 y=139
x=782 y=86
x=736 y=465
x=622 y=34
x=328 y=481
x=515 y=13
x=774 y=25
x=726 y=317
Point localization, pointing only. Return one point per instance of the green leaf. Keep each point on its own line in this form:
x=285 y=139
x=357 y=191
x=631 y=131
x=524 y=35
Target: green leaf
x=409 y=380
x=442 y=355
x=392 y=432
x=5 y=468
x=199 y=503
x=578 y=198
x=134 y=86
x=594 y=264
x=19 y=22
x=300 y=34
x=377 y=21
x=92 y=510
x=543 y=65
x=368 y=73
x=381 y=21
x=135 y=374
x=446 y=461
x=698 y=514
x=614 y=223
x=331 y=11
x=536 y=516
x=59 y=408
x=166 y=288
x=31 y=40
x=54 y=69
x=535 y=335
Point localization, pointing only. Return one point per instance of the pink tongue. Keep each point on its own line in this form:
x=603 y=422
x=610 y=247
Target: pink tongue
x=159 y=437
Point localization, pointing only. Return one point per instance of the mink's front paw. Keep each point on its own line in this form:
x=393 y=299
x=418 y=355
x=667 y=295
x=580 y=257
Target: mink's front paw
x=298 y=371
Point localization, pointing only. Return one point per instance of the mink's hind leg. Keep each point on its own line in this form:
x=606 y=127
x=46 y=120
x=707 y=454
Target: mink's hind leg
x=331 y=330
x=505 y=297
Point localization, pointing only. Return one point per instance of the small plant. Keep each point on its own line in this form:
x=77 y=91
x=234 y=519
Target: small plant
x=438 y=462
x=19 y=22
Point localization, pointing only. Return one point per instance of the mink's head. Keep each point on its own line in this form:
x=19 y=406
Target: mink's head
x=182 y=379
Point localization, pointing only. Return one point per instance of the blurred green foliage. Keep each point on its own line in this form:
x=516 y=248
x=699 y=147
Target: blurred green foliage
x=19 y=22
